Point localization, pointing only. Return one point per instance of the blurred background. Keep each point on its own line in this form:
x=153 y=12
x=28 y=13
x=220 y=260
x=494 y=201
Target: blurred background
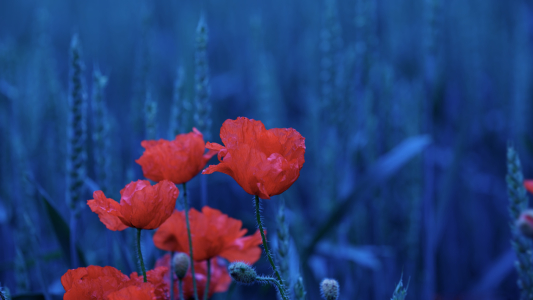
x=407 y=108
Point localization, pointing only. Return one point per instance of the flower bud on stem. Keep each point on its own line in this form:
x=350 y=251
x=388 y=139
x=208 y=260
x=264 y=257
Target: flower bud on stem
x=329 y=288
x=242 y=273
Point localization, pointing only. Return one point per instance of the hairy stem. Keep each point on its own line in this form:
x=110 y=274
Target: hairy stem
x=186 y=206
x=270 y=259
x=272 y=281
x=139 y=253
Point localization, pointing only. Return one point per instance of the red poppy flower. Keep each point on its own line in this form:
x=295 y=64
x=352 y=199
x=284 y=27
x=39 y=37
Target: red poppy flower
x=101 y=283
x=178 y=160
x=263 y=162
x=528 y=184
x=213 y=234
x=141 y=205
x=144 y=291
x=219 y=282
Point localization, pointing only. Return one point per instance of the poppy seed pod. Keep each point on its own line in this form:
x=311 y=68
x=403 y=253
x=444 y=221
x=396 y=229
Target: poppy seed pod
x=329 y=288
x=219 y=281
x=525 y=223
x=181 y=264
x=242 y=273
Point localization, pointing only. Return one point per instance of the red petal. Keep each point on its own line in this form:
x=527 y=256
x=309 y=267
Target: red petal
x=108 y=211
x=145 y=206
x=528 y=184
x=144 y=291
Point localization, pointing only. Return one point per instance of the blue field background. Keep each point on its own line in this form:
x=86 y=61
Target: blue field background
x=407 y=108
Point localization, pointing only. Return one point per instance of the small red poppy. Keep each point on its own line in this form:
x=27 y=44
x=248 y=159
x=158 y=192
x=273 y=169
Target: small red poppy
x=178 y=160
x=219 y=282
x=141 y=206
x=263 y=162
x=101 y=283
x=213 y=234
x=528 y=184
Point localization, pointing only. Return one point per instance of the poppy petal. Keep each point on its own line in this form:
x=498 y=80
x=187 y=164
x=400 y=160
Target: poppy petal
x=144 y=291
x=244 y=249
x=108 y=211
x=528 y=184
x=178 y=160
x=145 y=206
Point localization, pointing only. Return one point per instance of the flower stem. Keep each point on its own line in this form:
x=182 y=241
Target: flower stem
x=73 y=226
x=171 y=276
x=272 y=281
x=270 y=259
x=208 y=278
x=186 y=206
x=139 y=253
x=181 y=289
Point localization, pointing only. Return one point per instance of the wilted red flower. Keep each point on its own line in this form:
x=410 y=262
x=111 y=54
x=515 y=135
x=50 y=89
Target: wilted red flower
x=144 y=291
x=178 y=160
x=263 y=162
x=219 y=282
x=213 y=234
x=101 y=283
x=141 y=206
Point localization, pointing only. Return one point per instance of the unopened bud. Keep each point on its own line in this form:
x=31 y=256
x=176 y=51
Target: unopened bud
x=329 y=288
x=181 y=264
x=525 y=223
x=242 y=273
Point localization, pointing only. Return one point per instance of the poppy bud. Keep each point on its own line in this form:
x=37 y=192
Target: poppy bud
x=181 y=264
x=525 y=223
x=242 y=273
x=329 y=288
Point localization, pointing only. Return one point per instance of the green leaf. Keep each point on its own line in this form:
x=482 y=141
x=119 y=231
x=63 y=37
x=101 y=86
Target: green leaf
x=381 y=171
x=60 y=226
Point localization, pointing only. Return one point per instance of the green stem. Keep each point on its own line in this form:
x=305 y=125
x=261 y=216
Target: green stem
x=270 y=259
x=272 y=281
x=73 y=226
x=171 y=275
x=139 y=253
x=181 y=289
x=208 y=278
x=190 y=240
